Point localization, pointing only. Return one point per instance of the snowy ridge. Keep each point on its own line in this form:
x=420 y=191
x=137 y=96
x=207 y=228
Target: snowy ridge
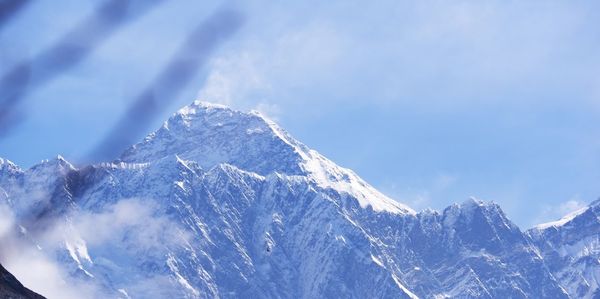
x=299 y=159
x=218 y=203
x=562 y=221
x=571 y=249
x=9 y=166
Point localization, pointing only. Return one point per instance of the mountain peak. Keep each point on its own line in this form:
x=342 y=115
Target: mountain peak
x=201 y=105
x=473 y=202
x=212 y=134
x=7 y=165
x=57 y=164
x=230 y=195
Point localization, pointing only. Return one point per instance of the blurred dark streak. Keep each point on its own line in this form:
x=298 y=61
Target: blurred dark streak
x=190 y=57
x=69 y=51
x=9 y=9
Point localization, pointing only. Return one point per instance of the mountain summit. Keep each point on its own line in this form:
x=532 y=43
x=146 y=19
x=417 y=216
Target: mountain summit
x=219 y=203
x=213 y=134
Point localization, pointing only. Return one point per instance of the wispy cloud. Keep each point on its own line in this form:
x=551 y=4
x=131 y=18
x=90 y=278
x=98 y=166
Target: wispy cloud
x=426 y=49
x=554 y=212
x=428 y=196
x=33 y=265
x=70 y=259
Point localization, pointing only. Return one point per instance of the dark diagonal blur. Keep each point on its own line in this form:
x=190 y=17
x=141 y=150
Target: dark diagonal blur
x=190 y=57
x=70 y=50
x=9 y=10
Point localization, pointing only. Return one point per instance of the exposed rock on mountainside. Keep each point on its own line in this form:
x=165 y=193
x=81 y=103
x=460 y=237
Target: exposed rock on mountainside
x=11 y=288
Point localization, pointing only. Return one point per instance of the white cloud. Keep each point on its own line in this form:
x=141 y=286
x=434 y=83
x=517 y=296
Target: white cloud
x=570 y=206
x=232 y=79
x=138 y=220
x=34 y=266
x=6 y=218
x=424 y=197
x=555 y=212
x=37 y=271
x=45 y=261
x=260 y=73
x=271 y=111
x=433 y=51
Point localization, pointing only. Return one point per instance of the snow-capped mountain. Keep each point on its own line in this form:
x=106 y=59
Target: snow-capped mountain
x=571 y=249
x=221 y=203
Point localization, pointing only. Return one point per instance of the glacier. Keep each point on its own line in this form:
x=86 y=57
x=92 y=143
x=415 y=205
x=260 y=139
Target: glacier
x=219 y=203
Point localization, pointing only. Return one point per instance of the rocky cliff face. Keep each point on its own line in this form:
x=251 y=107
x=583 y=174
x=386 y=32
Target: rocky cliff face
x=11 y=288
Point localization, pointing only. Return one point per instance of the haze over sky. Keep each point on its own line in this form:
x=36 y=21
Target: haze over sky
x=429 y=101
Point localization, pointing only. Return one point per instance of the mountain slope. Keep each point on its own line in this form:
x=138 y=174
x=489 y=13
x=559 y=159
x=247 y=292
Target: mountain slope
x=571 y=249
x=221 y=203
x=212 y=134
x=473 y=250
x=11 y=288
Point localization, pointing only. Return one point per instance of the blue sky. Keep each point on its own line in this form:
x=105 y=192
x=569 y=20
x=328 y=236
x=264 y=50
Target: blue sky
x=429 y=101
